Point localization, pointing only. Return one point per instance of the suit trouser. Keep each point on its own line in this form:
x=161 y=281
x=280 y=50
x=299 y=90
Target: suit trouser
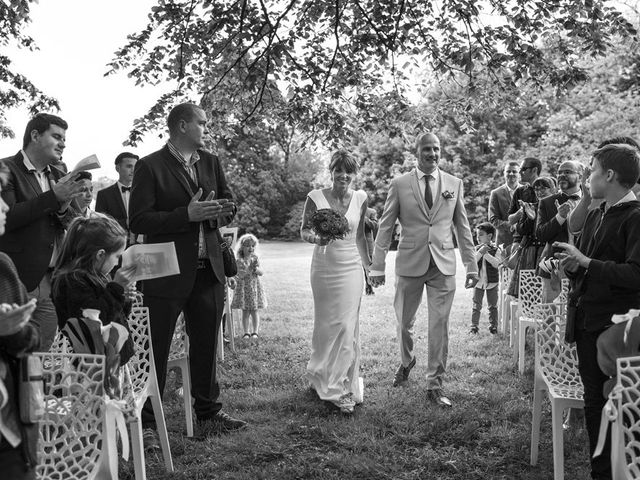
x=593 y=380
x=202 y=313
x=45 y=313
x=440 y=292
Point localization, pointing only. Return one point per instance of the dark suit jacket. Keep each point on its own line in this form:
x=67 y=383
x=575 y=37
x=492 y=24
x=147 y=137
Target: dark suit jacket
x=160 y=195
x=499 y=203
x=32 y=222
x=548 y=229
x=109 y=201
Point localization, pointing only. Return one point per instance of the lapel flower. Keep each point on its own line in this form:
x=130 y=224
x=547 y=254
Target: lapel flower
x=448 y=195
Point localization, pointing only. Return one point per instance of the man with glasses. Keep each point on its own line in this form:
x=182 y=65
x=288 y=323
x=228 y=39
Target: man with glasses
x=551 y=224
x=529 y=171
x=499 y=203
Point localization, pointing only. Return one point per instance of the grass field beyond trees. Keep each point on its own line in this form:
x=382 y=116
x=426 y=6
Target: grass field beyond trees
x=395 y=434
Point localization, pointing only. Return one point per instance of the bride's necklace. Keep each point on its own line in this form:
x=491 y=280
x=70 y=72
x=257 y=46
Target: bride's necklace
x=340 y=205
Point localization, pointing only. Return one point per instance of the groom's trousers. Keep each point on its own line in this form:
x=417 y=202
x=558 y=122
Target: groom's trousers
x=440 y=292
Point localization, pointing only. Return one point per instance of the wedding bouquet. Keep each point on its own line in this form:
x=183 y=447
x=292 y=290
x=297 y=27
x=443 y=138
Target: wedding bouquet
x=329 y=224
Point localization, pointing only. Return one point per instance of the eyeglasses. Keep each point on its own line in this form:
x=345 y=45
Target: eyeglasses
x=539 y=189
x=524 y=169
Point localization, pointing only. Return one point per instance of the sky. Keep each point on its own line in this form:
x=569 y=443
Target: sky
x=77 y=39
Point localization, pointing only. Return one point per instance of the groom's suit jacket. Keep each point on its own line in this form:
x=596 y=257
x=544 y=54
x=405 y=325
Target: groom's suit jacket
x=426 y=233
x=33 y=224
x=160 y=195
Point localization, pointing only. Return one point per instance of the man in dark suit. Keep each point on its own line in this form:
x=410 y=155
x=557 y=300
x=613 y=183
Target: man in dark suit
x=114 y=200
x=551 y=222
x=180 y=195
x=38 y=210
x=499 y=203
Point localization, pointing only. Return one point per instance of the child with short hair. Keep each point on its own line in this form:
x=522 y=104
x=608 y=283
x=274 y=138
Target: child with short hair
x=488 y=257
x=91 y=249
x=604 y=270
x=249 y=294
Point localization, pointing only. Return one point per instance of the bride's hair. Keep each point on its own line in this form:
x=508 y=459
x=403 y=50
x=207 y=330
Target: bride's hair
x=247 y=238
x=343 y=159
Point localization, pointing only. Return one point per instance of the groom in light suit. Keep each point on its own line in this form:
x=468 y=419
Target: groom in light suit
x=429 y=205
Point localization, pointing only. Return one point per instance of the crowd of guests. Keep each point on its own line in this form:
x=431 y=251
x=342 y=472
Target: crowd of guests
x=59 y=258
x=583 y=225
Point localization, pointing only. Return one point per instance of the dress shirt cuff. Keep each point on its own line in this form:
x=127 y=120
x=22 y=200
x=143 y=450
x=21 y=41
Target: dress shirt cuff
x=375 y=273
x=559 y=219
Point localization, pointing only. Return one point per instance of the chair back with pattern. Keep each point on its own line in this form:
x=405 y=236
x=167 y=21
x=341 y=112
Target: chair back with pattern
x=71 y=431
x=140 y=364
x=556 y=360
x=505 y=276
x=625 y=439
x=529 y=292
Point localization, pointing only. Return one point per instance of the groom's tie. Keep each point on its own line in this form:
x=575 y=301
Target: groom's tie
x=427 y=191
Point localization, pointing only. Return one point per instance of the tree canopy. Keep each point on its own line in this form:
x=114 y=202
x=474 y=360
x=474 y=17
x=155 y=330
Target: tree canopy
x=333 y=58
x=16 y=89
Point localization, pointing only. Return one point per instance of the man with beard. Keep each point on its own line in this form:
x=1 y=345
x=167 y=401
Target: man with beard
x=499 y=203
x=551 y=224
x=429 y=203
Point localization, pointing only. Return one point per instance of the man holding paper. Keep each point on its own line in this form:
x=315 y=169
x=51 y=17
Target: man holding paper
x=38 y=200
x=180 y=195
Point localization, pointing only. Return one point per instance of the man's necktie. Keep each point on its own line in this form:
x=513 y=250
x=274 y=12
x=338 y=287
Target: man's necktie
x=125 y=189
x=428 y=197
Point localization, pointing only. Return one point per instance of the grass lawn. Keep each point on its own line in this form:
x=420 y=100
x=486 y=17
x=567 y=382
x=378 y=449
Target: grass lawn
x=395 y=434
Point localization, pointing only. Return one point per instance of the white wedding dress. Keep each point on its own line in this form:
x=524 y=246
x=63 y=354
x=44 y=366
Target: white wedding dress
x=337 y=282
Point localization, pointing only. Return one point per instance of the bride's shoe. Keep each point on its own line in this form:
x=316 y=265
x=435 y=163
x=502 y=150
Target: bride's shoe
x=345 y=403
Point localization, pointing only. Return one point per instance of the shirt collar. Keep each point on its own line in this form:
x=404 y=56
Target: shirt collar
x=435 y=174
x=176 y=153
x=511 y=190
x=29 y=166
x=629 y=197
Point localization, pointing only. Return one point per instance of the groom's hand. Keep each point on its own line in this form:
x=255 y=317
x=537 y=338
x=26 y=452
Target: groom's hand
x=376 y=280
x=472 y=280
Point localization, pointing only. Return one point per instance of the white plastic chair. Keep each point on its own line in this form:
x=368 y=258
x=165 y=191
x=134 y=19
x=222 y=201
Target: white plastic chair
x=142 y=371
x=556 y=374
x=623 y=410
x=504 y=299
x=179 y=357
x=529 y=294
x=71 y=431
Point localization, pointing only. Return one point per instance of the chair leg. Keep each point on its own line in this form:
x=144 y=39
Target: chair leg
x=186 y=396
x=513 y=320
x=522 y=339
x=506 y=317
x=158 y=413
x=558 y=445
x=137 y=449
x=538 y=394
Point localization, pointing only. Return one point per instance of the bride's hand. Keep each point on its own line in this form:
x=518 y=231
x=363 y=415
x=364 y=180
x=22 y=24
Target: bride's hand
x=322 y=241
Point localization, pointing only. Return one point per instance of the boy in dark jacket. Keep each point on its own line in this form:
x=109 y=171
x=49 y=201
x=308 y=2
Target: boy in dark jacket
x=488 y=257
x=604 y=269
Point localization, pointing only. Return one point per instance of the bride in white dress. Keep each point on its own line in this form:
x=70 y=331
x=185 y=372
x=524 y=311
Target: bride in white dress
x=337 y=282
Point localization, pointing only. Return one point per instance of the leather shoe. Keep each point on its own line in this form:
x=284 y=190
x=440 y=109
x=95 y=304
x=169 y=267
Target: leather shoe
x=436 y=397
x=402 y=373
x=218 y=424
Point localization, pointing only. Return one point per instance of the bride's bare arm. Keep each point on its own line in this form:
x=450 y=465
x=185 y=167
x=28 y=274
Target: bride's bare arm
x=361 y=240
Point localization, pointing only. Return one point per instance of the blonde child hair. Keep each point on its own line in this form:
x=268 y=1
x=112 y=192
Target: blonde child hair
x=244 y=239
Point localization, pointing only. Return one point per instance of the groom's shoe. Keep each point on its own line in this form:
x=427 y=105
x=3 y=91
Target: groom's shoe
x=436 y=397
x=402 y=374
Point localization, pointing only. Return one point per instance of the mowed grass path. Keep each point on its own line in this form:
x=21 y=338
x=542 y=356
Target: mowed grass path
x=395 y=434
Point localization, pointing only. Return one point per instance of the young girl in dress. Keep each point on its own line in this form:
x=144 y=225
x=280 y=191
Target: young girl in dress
x=249 y=294
x=91 y=248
